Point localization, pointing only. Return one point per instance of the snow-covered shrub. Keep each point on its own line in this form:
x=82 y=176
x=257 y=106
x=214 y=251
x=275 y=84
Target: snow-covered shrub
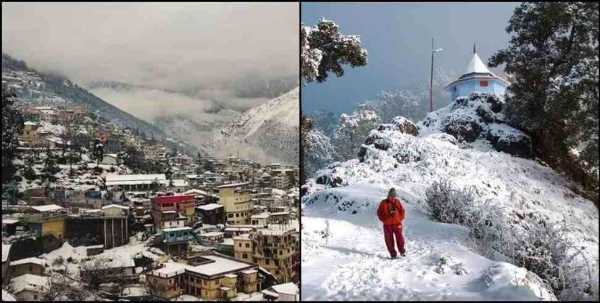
x=547 y=250
x=448 y=204
x=544 y=248
x=405 y=126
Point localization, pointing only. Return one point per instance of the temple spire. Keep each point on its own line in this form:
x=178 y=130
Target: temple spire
x=474 y=49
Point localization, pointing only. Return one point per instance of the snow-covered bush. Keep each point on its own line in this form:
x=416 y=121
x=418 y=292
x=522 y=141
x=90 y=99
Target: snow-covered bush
x=529 y=241
x=547 y=250
x=448 y=204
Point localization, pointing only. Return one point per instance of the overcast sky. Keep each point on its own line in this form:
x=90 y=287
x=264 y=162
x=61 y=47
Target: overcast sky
x=398 y=39
x=166 y=45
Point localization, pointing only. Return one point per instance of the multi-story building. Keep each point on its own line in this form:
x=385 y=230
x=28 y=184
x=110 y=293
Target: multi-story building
x=137 y=182
x=175 y=240
x=211 y=213
x=210 y=277
x=235 y=198
x=30 y=135
x=33 y=265
x=275 y=250
x=164 y=206
x=242 y=248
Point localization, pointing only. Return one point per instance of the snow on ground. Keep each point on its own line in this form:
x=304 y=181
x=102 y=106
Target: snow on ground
x=120 y=255
x=352 y=264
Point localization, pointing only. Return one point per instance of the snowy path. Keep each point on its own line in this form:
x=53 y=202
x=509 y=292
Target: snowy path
x=354 y=263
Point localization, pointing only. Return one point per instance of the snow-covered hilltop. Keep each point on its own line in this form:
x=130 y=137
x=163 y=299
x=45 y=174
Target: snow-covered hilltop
x=268 y=131
x=510 y=212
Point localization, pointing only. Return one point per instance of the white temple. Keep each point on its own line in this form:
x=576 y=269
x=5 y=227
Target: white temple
x=477 y=79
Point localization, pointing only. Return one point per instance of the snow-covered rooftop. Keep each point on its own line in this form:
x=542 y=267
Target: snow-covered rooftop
x=195 y=192
x=233 y=185
x=477 y=66
x=169 y=270
x=9 y=221
x=176 y=229
x=47 y=208
x=29 y=282
x=286 y=288
x=33 y=260
x=114 y=179
x=115 y=206
x=221 y=265
x=210 y=206
x=249 y=271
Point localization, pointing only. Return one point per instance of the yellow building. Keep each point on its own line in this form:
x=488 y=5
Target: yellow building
x=236 y=202
x=242 y=248
x=276 y=250
x=47 y=220
x=30 y=134
x=168 y=281
x=210 y=277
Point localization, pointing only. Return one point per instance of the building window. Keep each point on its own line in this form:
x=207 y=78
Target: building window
x=483 y=83
x=244 y=255
x=247 y=245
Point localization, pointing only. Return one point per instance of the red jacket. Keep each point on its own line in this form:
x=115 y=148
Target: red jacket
x=384 y=214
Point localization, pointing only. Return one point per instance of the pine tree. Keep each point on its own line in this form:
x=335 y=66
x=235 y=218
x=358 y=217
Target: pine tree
x=325 y=49
x=553 y=59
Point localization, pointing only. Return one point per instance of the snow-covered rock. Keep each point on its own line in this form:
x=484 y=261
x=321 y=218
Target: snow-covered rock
x=479 y=117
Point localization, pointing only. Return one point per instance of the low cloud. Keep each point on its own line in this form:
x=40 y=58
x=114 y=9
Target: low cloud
x=203 y=49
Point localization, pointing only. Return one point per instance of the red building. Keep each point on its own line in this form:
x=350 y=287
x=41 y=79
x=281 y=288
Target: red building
x=168 y=208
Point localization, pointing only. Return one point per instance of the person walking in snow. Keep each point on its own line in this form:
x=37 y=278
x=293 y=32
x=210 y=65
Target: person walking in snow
x=391 y=214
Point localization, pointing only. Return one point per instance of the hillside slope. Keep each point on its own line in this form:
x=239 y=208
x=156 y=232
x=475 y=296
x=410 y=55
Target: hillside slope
x=444 y=262
x=179 y=116
x=36 y=87
x=268 y=132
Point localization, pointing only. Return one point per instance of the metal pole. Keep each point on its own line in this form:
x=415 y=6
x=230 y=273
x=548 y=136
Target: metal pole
x=431 y=80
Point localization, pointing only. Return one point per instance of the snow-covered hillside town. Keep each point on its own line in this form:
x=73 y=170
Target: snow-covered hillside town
x=99 y=212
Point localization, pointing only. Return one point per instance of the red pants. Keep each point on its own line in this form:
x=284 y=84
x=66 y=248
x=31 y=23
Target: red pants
x=391 y=231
